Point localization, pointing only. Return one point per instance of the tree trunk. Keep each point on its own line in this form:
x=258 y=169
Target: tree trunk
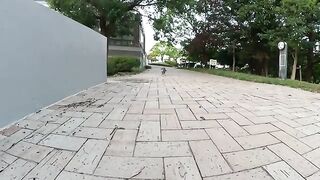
x=266 y=67
x=295 y=63
x=309 y=68
x=104 y=31
x=103 y=26
x=233 y=57
x=261 y=63
x=310 y=58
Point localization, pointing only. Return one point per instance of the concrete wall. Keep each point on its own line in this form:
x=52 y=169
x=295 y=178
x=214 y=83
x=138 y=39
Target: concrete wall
x=44 y=57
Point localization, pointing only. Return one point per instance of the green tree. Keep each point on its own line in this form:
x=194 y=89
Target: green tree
x=257 y=18
x=200 y=29
x=310 y=11
x=158 y=51
x=162 y=49
x=110 y=17
x=152 y=57
x=291 y=29
x=300 y=29
x=173 y=52
x=207 y=27
x=114 y=17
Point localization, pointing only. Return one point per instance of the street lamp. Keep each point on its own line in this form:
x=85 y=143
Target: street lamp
x=283 y=62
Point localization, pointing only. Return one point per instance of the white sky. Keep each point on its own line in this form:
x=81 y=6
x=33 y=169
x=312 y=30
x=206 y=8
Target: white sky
x=149 y=32
x=43 y=3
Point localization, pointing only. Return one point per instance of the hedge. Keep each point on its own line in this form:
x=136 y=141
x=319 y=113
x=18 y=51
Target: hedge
x=172 y=63
x=122 y=64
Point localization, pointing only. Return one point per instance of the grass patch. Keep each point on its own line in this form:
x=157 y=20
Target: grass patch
x=161 y=64
x=260 y=79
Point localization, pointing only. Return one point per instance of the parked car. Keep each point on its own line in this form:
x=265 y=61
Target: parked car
x=220 y=66
x=246 y=66
x=197 y=65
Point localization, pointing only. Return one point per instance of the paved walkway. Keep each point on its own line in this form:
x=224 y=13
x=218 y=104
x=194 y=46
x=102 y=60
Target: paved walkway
x=184 y=125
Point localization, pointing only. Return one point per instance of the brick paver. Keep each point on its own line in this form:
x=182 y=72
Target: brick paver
x=184 y=125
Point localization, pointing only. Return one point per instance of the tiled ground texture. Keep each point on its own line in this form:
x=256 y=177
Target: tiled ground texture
x=184 y=125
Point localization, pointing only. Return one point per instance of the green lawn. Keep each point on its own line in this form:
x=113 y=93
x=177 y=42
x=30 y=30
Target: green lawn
x=260 y=79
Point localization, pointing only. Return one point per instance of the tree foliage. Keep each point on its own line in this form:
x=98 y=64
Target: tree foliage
x=247 y=29
x=162 y=49
x=114 y=17
x=250 y=30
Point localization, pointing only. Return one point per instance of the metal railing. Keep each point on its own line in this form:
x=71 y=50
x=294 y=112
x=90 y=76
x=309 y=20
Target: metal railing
x=124 y=42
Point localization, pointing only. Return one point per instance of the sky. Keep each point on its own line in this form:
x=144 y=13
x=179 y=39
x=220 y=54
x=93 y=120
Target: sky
x=149 y=32
x=44 y=3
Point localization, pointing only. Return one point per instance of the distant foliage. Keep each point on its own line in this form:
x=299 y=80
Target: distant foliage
x=162 y=49
x=247 y=32
x=122 y=64
x=172 y=63
x=115 y=17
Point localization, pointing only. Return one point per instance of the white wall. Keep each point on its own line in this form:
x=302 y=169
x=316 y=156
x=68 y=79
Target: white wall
x=44 y=57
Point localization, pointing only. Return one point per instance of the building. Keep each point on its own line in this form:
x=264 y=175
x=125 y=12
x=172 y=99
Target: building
x=131 y=45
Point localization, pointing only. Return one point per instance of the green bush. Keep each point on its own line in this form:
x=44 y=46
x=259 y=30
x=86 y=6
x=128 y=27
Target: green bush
x=136 y=70
x=172 y=63
x=122 y=64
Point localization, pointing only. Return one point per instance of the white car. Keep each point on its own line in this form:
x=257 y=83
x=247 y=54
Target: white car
x=198 y=64
x=246 y=66
x=219 y=66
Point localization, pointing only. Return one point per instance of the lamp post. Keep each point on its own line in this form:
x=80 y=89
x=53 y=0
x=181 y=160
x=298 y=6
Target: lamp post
x=283 y=60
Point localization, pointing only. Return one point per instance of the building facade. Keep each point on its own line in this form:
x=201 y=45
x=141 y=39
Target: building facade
x=131 y=45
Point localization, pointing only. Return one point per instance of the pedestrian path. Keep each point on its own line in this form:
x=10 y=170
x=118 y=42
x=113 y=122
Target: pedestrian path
x=182 y=125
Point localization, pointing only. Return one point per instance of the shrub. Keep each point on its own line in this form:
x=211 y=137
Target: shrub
x=147 y=67
x=136 y=70
x=122 y=64
x=172 y=63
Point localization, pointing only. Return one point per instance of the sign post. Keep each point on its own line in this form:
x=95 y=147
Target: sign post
x=213 y=63
x=283 y=60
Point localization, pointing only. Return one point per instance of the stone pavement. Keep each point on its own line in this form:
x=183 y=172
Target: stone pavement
x=184 y=125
